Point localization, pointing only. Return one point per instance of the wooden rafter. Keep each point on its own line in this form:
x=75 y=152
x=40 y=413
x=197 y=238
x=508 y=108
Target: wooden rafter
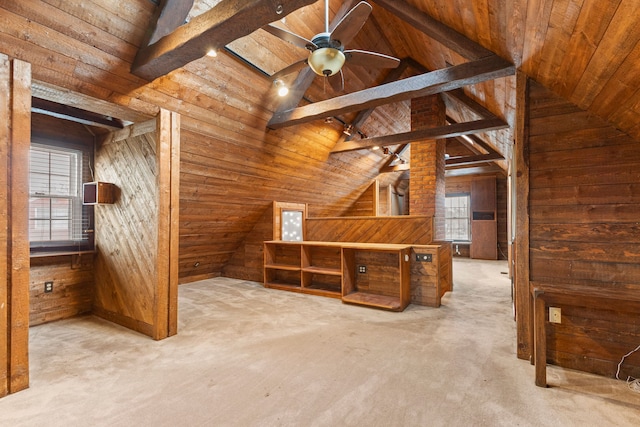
x=363 y=115
x=169 y=15
x=435 y=29
x=422 y=85
x=226 y=21
x=74 y=114
x=439 y=132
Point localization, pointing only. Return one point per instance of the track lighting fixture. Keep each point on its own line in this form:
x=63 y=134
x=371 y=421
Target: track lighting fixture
x=283 y=90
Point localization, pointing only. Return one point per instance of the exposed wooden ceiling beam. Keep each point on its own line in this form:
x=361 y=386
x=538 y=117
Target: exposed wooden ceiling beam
x=448 y=131
x=74 y=114
x=363 y=115
x=471 y=160
x=388 y=164
x=169 y=15
x=226 y=21
x=425 y=84
x=459 y=97
x=396 y=168
x=469 y=146
x=43 y=90
x=435 y=29
x=478 y=169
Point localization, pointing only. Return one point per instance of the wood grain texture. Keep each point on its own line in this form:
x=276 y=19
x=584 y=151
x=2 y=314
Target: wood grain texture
x=73 y=283
x=15 y=137
x=127 y=233
x=398 y=229
x=583 y=234
x=367 y=204
x=430 y=280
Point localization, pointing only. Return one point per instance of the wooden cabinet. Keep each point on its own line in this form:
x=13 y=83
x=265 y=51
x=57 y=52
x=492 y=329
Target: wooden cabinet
x=484 y=228
x=370 y=274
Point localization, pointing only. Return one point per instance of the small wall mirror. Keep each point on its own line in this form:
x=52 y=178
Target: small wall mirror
x=292 y=225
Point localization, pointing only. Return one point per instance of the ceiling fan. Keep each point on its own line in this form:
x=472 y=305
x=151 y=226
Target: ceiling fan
x=328 y=53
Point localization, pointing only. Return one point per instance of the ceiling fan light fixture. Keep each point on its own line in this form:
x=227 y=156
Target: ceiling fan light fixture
x=326 y=61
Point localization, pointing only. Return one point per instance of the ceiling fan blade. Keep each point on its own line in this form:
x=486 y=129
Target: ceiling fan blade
x=290 y=37
x=289 y=69
x=348 y=27
x=337 y=81
x=370 y=59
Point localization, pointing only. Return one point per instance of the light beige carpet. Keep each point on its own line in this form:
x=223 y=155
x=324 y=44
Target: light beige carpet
x=249 y=356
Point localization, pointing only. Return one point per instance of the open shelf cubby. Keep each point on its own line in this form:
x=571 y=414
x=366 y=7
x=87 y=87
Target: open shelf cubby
x=369 y=274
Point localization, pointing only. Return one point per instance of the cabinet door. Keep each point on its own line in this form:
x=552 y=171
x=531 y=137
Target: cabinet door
x=484 y=235
x=483 y=195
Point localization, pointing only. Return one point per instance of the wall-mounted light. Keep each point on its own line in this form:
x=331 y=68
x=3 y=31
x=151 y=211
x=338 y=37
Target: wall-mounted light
x=283 y=90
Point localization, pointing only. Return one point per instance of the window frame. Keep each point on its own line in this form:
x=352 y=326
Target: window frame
x=86 y=241
x=468 y=217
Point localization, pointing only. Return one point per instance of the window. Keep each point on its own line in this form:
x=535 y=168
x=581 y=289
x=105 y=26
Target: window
x=57 y=218
x=457 y=224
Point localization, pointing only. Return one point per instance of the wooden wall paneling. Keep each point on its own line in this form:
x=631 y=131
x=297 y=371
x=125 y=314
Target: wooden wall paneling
x=15 y=137
x=127 y=232
x=430 y=280
x=368 y=202
x=583 y=221
x=246 y=262
x=73 y=282
x=399 y=229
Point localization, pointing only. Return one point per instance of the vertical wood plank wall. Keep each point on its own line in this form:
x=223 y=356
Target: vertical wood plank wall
x=15 y=132
x=584 y=234
x=136 y=237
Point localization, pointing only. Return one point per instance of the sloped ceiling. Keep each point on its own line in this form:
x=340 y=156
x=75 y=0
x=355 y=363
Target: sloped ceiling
x=587 y=51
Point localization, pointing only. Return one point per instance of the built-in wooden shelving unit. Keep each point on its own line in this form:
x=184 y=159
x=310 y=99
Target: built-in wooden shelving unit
x=370 y=274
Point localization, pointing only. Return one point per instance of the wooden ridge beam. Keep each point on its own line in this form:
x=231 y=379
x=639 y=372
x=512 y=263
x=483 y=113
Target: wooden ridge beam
x=436 y=30
x=448 y=131
x=226 y=21
x=422 y=85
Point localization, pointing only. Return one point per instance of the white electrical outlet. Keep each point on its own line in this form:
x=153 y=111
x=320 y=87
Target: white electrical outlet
x=555 y=315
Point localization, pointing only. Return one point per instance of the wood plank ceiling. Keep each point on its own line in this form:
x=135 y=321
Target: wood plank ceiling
x=585 y=50
x=81 y=55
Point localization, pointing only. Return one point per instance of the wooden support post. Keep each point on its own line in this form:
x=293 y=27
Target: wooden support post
x=168 y=179
x=522 y=293
x=15 y=136
x=540 y=338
